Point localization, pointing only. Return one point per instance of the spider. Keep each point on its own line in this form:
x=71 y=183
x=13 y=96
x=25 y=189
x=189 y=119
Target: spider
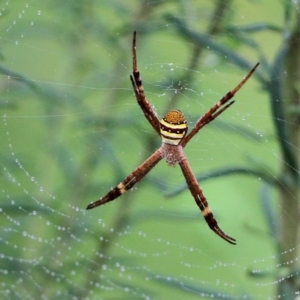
x=173 y=130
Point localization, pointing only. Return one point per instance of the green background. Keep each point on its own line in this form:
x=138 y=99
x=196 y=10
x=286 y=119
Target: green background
x=72 y=130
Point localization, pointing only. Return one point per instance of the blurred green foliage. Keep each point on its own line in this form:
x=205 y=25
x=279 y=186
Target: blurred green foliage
x=72 y=130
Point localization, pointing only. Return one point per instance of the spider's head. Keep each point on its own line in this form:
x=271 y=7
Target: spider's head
x=173 y=127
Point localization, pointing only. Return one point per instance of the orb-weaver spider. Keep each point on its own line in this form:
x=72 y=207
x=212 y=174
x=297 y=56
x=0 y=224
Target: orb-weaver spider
x=173 y=130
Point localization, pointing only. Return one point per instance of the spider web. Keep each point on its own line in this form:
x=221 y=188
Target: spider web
x=71 y=130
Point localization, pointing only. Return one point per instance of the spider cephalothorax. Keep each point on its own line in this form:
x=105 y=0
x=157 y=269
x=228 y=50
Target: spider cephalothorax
x=173 y=130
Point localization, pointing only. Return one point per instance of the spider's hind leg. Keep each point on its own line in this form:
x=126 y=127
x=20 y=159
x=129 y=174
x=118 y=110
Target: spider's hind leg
x=139 y=91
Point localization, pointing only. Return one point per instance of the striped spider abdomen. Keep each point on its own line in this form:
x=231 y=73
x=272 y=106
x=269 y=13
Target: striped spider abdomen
x=173 y=127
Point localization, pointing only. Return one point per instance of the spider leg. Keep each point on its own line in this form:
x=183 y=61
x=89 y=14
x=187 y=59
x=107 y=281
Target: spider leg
x=139 y=91
x=201 y=201
x=130 y=180
x=215 y=111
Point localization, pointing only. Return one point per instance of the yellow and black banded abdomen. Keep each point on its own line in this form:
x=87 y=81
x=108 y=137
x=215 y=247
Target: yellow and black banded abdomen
x=173 y=127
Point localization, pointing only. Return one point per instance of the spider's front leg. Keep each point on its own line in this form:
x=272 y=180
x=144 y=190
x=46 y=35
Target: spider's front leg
x=130 y=180
x=201 y=201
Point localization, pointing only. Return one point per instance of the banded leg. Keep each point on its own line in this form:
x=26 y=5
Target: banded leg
x=130 y=180
x=213 y=112
x=201 y=201
x=139 y=92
